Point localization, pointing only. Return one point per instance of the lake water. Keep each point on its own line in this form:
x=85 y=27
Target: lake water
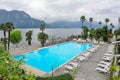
x=53 y=33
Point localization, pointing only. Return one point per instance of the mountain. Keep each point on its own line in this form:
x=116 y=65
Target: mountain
x=23 y=20
x=71 y=24
x=19 y=18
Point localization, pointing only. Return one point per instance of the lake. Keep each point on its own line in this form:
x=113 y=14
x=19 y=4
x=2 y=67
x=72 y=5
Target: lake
x=53 y=33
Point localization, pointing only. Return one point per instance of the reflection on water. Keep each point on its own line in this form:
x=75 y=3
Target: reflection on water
x=43 y=51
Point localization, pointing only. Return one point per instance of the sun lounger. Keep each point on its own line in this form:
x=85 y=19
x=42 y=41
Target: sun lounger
x=110 y=51
x=108 y=54
x=104 y=64
x=104 y=70
x=68 y=67
x=81 y=58
x=74 y=64
x=91 y=50
x=86 y=55
x=79 y=40
x=74 y=39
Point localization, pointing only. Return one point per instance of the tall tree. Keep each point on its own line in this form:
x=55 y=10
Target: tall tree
x=99 y=34
x=90 y=20
x=29 y=37
x=16 y=36
x=107 y=21
x=92 y=33
x=42 y=27
x=99 y=23
x=10 y=27
x=3 y=41
x=105 y=30
x=42 y=37
x=85 y=32
x=4 y=29
x=112 y=26
x=82 y=19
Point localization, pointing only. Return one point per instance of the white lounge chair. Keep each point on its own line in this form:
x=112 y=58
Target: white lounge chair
x=74 y=39
x=104 y=64
x=79 y=40
x=87 y=54
x=101 y=69
x=68 y=67
x=81 y=58
x=74 y=64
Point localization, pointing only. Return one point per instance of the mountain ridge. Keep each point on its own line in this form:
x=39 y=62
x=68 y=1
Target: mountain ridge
x=23 y=20
x=20 y=19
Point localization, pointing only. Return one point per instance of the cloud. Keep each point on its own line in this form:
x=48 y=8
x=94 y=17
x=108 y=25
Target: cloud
x=52 y=10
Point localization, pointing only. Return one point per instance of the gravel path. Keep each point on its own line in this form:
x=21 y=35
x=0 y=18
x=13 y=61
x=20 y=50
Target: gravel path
x=87 y=69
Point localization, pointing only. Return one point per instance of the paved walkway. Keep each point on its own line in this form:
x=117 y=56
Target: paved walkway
x=87 y=69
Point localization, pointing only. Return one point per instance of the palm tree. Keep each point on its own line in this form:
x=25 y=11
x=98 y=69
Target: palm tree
x=85 y=32
x=92 y=33
x=112 y=26
x=99 y=23
x=42 y=37
x=42 y=27
x=106 y=21
x=3 y=41
x=116 y=77
x=105 y=30
x=4 y=29
x=29 y=37
x=82 y=19
x=113 y=68
x=10 y=27
x=90 y=20
x=98 y=34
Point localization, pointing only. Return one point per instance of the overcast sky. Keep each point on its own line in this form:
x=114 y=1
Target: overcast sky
x=70 y=10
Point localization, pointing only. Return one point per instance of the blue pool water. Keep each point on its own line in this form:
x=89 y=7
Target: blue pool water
x=53 y=56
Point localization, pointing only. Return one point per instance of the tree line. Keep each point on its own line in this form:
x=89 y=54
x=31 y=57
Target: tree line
x=103 y=33
x=15 y=36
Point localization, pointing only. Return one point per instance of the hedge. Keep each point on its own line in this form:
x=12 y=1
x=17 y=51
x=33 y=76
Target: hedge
x=66 y=76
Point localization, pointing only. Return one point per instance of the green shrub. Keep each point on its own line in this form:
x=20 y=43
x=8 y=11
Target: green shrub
x=10 y=69
x=60 y=77
x=118 y=39
x=105 y=38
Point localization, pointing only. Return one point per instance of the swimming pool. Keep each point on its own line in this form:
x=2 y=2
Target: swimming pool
x=52 y=57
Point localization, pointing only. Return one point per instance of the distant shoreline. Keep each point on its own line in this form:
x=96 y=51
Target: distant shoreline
x=48 y=28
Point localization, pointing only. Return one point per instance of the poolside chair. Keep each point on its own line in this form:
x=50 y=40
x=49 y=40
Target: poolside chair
x=104 y=64
x=92 y=50
x=68 y=67
x=74 y=39
x=81 y=58
x=103 y=70
x=109 y=51
x=79 y=40
x=107 y=58
x=87 y=54
x=74 y=64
